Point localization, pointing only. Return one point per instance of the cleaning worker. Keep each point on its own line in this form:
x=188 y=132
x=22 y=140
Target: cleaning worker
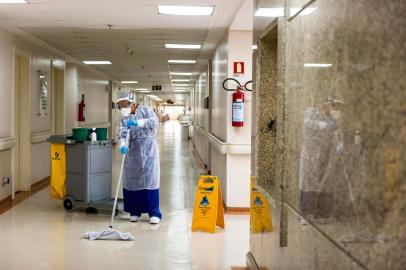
x=319 y=159
x=141 y=166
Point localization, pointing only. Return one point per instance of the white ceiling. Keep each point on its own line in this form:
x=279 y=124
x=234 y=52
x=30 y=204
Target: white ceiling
x=79 y=28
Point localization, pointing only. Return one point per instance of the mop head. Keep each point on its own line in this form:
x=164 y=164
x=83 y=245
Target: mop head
x=108 y=234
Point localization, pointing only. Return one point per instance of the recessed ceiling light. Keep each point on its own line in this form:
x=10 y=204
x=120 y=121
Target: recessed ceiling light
x=182 y=73
x=322 y=65
x=13 y=2
x=180 y=80
x=186 y=10
x=97 y=62
x=129 y=82
x=183 y=46
x=180 y=91
x=278 y=12
x=141 y=89
x=145 y=91
x=180 y=84
x=269 y=12
x=182 y=61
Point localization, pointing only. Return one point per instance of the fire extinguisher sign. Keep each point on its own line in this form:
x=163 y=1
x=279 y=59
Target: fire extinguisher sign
x=238 y=68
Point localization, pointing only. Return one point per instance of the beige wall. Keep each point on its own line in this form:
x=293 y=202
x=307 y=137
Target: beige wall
x=78 y=79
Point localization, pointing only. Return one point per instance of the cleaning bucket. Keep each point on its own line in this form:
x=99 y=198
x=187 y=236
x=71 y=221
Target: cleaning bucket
x=101 y=133
x=80 y=134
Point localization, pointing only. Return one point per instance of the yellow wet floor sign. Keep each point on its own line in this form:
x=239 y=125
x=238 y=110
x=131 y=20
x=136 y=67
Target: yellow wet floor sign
x=208 y=210
x=260 y=211
x=57 y=187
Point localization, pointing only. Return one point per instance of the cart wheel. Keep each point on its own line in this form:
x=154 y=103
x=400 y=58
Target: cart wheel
x=68 y=204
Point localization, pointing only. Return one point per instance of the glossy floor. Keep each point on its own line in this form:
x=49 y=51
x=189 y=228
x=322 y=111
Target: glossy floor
x=39 y=234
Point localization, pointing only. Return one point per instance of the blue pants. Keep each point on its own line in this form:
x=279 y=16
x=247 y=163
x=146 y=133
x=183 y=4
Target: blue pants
x=142 y=201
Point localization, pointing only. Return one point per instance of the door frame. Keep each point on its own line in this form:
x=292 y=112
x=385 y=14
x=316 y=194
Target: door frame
x=21 y=130
x=57 y=66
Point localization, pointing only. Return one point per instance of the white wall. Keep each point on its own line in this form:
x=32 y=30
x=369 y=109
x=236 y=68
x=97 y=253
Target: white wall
x=233 y=169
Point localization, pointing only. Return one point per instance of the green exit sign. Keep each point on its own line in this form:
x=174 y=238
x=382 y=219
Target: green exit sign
x=156 y=87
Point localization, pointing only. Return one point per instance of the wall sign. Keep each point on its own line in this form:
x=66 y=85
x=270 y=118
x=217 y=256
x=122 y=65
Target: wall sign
x=43 y=94
x=156 y=87
x=238 y=68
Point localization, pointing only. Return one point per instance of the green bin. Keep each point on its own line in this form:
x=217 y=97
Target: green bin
x=80 y=134
x=101 y=133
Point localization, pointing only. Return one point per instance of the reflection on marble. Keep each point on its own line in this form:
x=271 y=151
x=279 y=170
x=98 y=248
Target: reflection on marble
x=352 y=166
x=265 y=109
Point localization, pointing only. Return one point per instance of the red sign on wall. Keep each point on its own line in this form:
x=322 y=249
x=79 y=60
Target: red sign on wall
x=238 y=67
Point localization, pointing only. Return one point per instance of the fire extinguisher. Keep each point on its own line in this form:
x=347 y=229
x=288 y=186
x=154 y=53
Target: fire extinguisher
x=81 y=117
x=238 y=102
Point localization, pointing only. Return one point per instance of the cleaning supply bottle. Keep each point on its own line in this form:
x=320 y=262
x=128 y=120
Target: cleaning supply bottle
x=93 y=135
x=357 y=138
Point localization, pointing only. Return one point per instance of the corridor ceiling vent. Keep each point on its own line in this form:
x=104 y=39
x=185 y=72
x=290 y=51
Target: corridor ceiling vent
x=186 y=10
x=97 y=62
x=183 y=46
x=279 y=12
x=13 y=2
x=181 y=73
x=317 y=65
x=129 y=82
x=182 y=61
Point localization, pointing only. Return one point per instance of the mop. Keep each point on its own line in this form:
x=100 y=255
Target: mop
x=110 y=233
x=360 y=236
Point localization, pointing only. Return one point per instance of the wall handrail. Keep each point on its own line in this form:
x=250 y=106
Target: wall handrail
x=7 y=143
x=229 y=148
x=40 y=137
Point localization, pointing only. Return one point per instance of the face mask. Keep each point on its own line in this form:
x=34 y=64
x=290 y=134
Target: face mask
x=126 y=111
x=335 y=114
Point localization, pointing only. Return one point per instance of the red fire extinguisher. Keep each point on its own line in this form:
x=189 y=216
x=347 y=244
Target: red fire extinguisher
x=81 y=116
x=238 y=102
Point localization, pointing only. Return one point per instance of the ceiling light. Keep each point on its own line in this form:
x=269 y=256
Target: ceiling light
x=180 y=80
x=97 y=62
x=321 y=65
x=182 y=61
x=141 y=89
x=145 y=91
x=182 y=73
x=180 y=84
x=129 y=82
x=13 y=2
x=269 y=12
x=254 y=47
x=186 y=10
x=278 y=12
x=179 y=91
x=183 y=46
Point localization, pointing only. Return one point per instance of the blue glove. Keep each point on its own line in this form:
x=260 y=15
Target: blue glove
x=124 y=149
x=331 y=124
x=132 y=123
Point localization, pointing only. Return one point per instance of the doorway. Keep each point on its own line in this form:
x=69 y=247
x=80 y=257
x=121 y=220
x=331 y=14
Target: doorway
x=58 y=98
x=22 y=124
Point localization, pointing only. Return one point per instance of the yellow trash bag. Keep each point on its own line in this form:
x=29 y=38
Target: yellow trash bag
x=58 y=171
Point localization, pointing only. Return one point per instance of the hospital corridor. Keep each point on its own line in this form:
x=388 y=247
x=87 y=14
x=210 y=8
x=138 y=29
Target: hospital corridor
x=202 y=134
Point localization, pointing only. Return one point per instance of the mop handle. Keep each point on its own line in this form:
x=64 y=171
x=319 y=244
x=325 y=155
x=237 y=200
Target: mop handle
x=120 y=177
